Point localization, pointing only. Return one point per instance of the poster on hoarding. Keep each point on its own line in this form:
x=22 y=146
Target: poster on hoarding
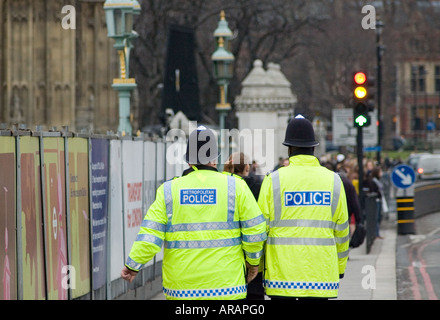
x=99 y=182
x=79 y=214
x=115 y=211
x=132 y=159
x=34 y=286
x=8 y=271
x=55 y=217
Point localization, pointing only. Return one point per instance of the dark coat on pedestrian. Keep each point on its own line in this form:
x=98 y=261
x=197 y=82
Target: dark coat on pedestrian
x=353 y=205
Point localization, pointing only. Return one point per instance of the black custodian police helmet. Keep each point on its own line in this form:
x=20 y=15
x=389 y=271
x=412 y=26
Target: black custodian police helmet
x=202 y=146
x=300 y=133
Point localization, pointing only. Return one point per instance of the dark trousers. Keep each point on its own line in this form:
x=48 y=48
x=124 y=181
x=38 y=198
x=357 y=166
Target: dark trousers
x=255 y=290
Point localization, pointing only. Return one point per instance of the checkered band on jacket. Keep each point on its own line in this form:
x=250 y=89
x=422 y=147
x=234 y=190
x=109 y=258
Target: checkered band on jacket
x=301 y=285
x=200 y=293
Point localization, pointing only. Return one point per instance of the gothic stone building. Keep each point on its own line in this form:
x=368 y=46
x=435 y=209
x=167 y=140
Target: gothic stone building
x=55 y=76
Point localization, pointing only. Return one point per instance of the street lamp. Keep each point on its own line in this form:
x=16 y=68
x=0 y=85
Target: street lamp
x=119 y=17
x=223 y=71
x=223 y=31
x=223 y=61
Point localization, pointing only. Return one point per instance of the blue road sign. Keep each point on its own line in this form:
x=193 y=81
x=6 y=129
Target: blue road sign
x=403 y=176
x=372 y=149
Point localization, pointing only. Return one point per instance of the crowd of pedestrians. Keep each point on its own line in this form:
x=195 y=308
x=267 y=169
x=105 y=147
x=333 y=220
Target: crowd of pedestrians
x=376 y=179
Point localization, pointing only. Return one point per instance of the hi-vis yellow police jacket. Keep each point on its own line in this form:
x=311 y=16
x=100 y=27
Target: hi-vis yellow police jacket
x=209 y=223
x=308 y=231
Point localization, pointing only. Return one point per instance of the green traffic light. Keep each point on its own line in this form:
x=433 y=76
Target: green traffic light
x=361 y=120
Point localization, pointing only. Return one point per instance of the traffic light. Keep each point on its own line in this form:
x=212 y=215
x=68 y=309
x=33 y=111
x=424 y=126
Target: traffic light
x=362 y=95
x=360 y=90
x=361 y=118
x=363 y=88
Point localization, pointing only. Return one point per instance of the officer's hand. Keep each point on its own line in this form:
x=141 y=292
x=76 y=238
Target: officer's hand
x=252 y=272
x=128 y=274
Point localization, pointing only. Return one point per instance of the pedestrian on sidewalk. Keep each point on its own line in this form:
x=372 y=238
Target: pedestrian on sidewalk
x=305 y=204
x=375 y=185
x=353 y=206
x=239 y=164
x=210 y=226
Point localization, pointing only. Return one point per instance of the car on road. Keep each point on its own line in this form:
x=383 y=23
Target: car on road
x=414 y=158
x=428 y=167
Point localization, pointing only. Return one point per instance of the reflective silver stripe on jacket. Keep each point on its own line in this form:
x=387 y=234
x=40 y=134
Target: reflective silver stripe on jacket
x=204 y=226
x=301 y=241
x=133 y=264
x=254 y=237
x=343 y=254
x=231 y=198
x=336 y=193
x=198 y=244
x=168 y=200
x=153 y=225
x=341 y=240
x=252 y=222
x=149 y=238
x=311 y=224
x=254 y=255
x=276 y=198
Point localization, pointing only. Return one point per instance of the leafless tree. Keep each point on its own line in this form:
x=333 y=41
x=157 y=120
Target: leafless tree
x=318 y=43
x=267 y=30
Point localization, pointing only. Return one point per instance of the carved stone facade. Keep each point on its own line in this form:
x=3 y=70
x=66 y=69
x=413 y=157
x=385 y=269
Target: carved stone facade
x=53 y=76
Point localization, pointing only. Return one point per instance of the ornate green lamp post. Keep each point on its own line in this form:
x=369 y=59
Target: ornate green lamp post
x=119 y=17
x=223 y=31
x=223 y=71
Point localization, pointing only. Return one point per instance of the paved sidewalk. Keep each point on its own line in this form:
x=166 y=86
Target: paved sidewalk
x=372 y=276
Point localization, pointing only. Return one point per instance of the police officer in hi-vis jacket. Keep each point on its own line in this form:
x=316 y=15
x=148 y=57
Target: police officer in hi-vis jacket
x=210 y=226
x=308 y=231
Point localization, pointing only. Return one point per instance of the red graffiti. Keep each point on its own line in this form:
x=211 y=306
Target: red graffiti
x=134 y=191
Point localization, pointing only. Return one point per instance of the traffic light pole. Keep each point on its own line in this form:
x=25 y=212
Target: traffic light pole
x=360 y=156
x=379 y=100
x=379 y=52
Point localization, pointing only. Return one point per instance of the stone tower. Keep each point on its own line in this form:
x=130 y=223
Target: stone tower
x=55 y=76
x=266 y=103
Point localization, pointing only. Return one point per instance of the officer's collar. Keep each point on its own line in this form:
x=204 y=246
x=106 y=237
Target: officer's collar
x=303 y=159
x=198 y=167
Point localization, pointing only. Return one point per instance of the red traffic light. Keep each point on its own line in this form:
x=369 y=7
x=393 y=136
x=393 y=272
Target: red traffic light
x=360 y=78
